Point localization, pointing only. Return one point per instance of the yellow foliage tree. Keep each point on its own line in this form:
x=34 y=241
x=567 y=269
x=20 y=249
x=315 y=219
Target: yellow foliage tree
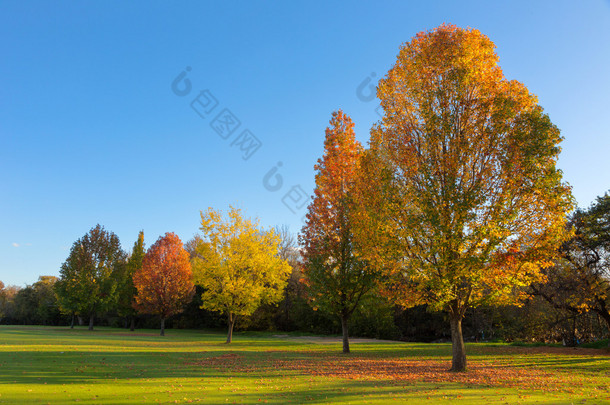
x=238 y=265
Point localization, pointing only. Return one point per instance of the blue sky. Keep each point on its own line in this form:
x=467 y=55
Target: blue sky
x=91 y=130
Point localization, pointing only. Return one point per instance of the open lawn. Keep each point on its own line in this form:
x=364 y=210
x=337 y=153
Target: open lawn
x=111 y=366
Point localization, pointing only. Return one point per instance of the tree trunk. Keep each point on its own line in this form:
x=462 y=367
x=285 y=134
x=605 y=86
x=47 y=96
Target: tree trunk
x=231 y=323
x=91 y=318
x=72 y=322
x=603 y=312
x=345 y=334
x=458 y=362
x=574 y=339
x=162 y=326
x=132 y=324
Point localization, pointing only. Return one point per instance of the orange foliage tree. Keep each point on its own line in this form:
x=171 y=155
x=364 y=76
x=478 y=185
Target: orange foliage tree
x=461 y=203
x=335 y=277
x=164 y=283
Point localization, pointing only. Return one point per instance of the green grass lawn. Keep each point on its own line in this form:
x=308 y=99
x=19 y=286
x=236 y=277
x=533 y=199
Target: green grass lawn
x=111 y=366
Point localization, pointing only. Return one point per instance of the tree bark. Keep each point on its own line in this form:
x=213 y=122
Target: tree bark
x=574 y=340
x=458 y=362
x=72 y=322
x=344 y=319
x=162 y=326
x=91 y=318
x=231 y=323
x=132 y=324
x=603 y=312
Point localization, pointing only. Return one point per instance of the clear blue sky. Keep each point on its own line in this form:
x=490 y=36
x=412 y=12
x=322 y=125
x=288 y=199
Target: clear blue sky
x=92 y=132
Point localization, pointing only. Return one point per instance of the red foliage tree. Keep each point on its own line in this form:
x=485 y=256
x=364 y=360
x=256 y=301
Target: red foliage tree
x=165 y=282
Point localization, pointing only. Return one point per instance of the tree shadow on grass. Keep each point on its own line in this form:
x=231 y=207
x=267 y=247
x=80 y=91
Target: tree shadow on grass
x=315 y=376
x=81 y=365
x=372 y=370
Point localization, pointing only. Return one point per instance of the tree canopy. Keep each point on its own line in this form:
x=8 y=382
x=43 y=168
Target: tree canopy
x=580 y=279
x=238 y=265
x=87 y=285
x=336 y=278
x=463 y=201
x=164 y=283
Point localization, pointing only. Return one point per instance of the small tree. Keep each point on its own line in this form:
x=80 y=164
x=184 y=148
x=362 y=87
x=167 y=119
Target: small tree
x=238 y=265
x=164 y=283
x=463 y=199
x=8 y=309
x=47 y=310
x=336 y=278
x=126 y=290
x=37 y=303
x=87 y=283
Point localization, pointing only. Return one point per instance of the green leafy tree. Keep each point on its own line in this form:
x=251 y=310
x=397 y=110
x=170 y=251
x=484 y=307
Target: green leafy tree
x=579 y=281
x=68 y=301
x=25 y=305
x=126 y=290
x=47 y=307
x=238 y=265
x=87 y=284
x=8 y=309
x=37 y=304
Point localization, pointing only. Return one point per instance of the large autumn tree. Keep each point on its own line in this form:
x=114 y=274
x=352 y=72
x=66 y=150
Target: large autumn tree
x=462 y=201
x=164 y=283
x=336 y=278
x=87 y=284
x=238 y=264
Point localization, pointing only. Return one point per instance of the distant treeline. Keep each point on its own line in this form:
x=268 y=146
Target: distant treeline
x=537 y=320
x=570 y=306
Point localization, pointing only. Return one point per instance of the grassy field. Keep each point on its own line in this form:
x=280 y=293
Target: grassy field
x=55 y=365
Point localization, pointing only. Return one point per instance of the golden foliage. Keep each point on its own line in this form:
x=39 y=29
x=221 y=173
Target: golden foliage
x=460 y=200
x=238 y=264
